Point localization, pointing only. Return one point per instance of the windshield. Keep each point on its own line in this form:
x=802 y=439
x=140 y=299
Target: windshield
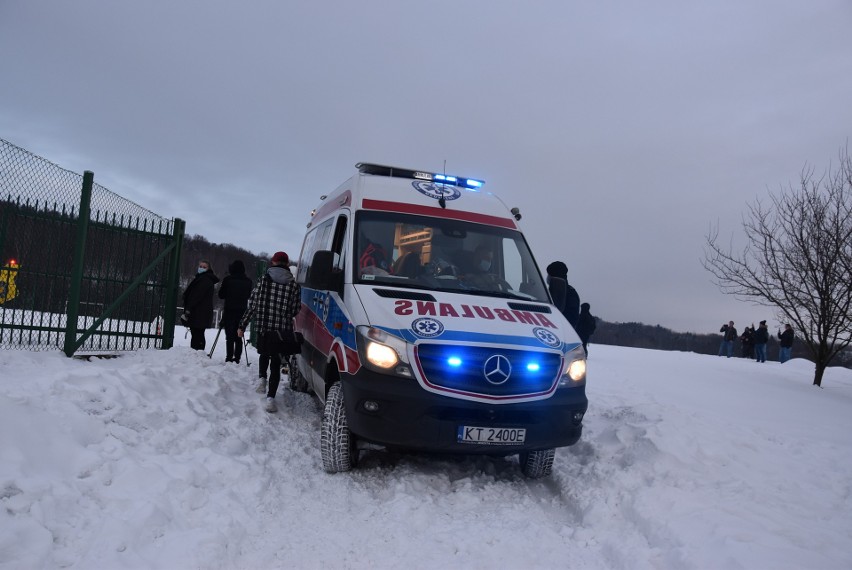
x=444 y=255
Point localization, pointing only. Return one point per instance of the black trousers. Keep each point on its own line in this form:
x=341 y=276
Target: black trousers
x=197 y=340
x=233 y=343
x=274 y=362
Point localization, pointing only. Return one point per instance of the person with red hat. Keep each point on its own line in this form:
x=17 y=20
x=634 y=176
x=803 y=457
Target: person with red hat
x=274 y=302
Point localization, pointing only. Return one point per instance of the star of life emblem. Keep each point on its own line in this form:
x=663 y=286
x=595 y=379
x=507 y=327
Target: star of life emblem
x=547 y=337
x=427 y=327
x=436 y=191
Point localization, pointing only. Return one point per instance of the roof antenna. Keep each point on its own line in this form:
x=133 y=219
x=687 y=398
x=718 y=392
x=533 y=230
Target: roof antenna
x=441 y=201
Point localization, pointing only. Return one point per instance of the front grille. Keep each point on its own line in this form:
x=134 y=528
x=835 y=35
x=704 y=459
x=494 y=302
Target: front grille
x=468 y=369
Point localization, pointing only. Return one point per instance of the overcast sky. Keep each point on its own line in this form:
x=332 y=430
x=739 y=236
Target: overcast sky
x=622 y=130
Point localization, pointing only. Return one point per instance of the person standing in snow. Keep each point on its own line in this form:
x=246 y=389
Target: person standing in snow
x=565 y=297
x=198 y=304
x=748 y=344
x=235 y=290
x=729 y=335
x=585 y=325
x=786 y=339
x=274 y=302
x=761 y=337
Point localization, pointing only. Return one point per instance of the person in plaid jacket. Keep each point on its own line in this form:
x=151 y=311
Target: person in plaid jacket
x=274 y=302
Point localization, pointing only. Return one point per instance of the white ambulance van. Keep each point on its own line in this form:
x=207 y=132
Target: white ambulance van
x=427 y=325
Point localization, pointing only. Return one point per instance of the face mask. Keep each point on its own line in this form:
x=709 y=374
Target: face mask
x=202 y=269
x=485 y=265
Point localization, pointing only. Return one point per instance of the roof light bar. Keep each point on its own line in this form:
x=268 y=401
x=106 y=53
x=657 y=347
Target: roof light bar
x=393 y=171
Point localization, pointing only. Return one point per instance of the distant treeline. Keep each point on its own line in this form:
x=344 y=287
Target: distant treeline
x=219 y=255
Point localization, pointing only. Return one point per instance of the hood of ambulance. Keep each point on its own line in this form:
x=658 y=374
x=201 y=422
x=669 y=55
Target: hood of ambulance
x=475 y=347
x=468 y=319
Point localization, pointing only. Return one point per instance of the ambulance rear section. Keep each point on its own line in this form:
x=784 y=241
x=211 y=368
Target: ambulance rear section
x=428 y=326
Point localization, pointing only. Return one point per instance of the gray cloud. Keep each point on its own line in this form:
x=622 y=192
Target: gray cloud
x=621 y=131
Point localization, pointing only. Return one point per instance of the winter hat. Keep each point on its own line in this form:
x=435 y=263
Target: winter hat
x=558 y=269
x=280 y=257
x=585 y=306
x=762 y=322
x=237 y=268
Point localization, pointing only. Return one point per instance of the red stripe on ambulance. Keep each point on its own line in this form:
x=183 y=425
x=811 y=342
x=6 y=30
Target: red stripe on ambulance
x=388 y=206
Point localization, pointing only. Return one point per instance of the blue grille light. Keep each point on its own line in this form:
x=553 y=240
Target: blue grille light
x=533 y=367
x=454 y=361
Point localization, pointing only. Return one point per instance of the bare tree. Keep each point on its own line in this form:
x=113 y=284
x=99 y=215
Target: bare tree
x=798 y=259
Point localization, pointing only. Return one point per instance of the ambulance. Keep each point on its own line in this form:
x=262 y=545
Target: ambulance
x=428 y=326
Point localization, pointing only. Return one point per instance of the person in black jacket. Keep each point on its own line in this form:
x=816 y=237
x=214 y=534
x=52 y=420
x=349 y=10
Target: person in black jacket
x=565 y=297
x=198 y=304
x=748 y=342
x=761 y=337
x=585 y=326
x=235 y=290
x=729 y=335
x=786 y=339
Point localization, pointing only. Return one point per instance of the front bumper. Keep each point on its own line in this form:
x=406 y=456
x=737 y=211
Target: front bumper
x=409 y=417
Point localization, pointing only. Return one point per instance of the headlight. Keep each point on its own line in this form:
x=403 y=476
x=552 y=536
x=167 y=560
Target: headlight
x=577 y=370
x=383 y=352
x=575 y=367
x=381 y=355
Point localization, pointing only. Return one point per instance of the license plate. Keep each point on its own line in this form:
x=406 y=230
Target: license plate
x=491 y=435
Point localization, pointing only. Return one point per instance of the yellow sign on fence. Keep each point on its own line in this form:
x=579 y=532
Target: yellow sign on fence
x=8 y=289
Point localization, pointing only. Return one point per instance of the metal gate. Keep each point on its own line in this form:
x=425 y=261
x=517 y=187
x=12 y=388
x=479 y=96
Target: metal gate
x=81 y=268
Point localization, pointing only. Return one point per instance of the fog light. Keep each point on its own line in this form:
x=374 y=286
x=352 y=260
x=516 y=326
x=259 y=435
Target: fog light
x=372 y=406
x=578 y=417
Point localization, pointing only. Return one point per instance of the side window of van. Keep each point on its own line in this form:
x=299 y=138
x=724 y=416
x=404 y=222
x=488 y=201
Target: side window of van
x=306 y=255
x=338 y=244
x=316 y=240
x=512 y=264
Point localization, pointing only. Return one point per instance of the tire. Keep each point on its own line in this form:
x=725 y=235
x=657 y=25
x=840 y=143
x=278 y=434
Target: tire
x=337 y=444
x=537 y=464
x=297 y=381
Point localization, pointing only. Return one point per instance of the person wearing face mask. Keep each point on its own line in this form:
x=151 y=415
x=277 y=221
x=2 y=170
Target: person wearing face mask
x=480 y=274
x=198 y=304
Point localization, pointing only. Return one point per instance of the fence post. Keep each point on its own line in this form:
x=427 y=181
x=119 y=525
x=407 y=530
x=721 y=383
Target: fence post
x=73 y=309
x=260 y=271
x=172 y=283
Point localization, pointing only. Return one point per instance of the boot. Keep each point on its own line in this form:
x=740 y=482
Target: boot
x=261 y=385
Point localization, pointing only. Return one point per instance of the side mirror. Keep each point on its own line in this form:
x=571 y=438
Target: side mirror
x=319 y=273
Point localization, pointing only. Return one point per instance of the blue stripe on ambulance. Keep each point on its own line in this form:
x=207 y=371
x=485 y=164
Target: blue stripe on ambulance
x=479 y=338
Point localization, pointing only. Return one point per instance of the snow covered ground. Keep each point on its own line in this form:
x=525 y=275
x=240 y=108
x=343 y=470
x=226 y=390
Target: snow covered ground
x=166 y=459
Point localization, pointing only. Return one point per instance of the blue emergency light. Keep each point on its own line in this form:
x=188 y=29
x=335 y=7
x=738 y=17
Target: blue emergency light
x=393 y=171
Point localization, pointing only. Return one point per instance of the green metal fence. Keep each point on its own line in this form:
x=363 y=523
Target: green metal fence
x=81 y=268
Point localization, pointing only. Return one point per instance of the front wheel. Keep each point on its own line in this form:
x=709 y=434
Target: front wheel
x=337 y=443
x=297 y=381
x=537 y=464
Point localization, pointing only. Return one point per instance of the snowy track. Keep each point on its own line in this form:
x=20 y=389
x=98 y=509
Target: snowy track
x=167 y=460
